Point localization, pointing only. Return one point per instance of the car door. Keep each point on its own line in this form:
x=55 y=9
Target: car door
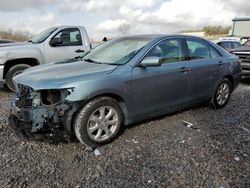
x=71 y=46
x=160 y=88
x=204 y=69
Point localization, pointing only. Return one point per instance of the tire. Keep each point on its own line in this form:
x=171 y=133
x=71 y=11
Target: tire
x=98 y=122
x=13 y=71
x=222 y=94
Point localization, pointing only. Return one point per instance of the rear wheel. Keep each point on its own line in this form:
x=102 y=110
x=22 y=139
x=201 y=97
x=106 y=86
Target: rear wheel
x=12 y=72
x=222 y=94
x=98 y=122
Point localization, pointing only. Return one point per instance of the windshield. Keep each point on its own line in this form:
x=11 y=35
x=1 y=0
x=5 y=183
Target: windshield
x=43 y=35
x=117 y=51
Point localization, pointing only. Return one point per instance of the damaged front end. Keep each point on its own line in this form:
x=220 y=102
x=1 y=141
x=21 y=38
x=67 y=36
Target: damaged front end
x=42 y=111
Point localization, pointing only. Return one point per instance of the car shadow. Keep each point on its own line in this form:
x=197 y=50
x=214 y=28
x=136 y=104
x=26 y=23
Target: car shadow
x=158 y=118
x=3 y=88
x=50 y=138
x=55 y=139
x=245 y=80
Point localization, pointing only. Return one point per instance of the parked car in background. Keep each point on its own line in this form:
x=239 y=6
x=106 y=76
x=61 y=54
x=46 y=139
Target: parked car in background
x=53 y=44
x=123 y=81
x=3 y=41
x=244 y=54
x=229 y=43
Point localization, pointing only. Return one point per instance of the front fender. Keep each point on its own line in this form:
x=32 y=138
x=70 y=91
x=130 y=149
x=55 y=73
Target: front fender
x=89 y=89
x=21 y=53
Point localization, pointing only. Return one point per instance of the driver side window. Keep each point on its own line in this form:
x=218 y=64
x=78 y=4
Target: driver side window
x=168 y=51
x=70 y=37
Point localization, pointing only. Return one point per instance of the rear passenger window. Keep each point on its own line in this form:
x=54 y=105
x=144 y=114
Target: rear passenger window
x=197 y=49
x=214 y=52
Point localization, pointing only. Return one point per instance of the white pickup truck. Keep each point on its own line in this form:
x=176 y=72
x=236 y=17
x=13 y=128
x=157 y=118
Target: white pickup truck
x=53 y=44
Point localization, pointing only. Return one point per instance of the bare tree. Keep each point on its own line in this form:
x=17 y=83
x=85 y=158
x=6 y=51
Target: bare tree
x=124 y=28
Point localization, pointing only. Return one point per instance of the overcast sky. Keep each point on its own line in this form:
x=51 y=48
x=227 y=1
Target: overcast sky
x=103 y=17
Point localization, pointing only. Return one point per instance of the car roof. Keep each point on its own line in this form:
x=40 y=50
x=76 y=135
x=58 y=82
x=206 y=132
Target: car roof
x=228 y=39
x=235 y=41
x=157 y=36
x=67 y=26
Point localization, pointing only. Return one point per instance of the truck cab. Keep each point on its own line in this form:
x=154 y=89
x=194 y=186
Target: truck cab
x=52 y=45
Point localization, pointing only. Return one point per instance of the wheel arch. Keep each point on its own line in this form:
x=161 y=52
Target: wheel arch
x=116 y=97
x=10 y=63
x=231 y=79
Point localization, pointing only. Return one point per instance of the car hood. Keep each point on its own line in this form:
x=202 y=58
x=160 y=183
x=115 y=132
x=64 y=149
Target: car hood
x=62 y=74
x=242 y=49
x=15 y=44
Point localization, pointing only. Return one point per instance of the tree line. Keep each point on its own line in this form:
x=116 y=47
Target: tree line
x=211 y=30
x=18 y=36
x=216 y=30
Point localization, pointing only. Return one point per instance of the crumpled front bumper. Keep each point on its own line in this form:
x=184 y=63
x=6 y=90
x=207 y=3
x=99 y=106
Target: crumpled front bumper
x=20 y=113
x=26 y=121
x=20 y=120
x=20 y=129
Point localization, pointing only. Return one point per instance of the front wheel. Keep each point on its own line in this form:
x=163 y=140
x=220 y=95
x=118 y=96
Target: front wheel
x=98 y=122
x=12 y=72
x=222 y=94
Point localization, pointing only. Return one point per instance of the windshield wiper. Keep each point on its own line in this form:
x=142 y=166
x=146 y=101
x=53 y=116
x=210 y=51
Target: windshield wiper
x=30 y=41
x=92 y=61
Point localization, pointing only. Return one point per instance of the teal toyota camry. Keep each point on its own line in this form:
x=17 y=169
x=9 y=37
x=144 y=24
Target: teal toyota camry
x=123 y=81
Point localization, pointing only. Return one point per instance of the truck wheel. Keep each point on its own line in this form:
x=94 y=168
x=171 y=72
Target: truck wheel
x=13 y=71
x=98 y=122
x=222 y=94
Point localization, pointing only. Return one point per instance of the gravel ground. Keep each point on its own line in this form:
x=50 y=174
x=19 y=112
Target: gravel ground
x=157 y=153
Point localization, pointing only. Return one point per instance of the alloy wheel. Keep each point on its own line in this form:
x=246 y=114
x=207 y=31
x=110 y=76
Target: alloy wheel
x=102 y=123
x=223 y=93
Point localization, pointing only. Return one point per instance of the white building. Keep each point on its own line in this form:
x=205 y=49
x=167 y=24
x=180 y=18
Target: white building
x=241 y=27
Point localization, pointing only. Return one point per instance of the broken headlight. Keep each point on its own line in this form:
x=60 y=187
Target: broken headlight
x=50 y=97
x=54 y=96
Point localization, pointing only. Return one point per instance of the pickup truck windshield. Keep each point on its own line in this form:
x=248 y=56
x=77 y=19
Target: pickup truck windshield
x=43 y=35
x=117 y=51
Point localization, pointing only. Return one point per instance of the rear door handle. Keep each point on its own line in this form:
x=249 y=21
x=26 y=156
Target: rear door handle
x=184 y=69
x=220 y=63
x=79 y=51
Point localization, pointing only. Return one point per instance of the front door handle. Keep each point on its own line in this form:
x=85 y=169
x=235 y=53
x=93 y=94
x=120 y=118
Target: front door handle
x=79 y=51
x=184 y=69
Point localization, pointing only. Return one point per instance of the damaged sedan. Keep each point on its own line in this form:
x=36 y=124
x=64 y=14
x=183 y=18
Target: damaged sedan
x=120 y=82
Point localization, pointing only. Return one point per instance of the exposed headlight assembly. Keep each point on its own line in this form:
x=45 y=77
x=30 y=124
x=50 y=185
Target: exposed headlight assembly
x=54 y=96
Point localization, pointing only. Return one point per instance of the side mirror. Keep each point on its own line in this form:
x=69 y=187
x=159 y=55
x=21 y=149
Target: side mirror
x=55 y=42
x=150 y=62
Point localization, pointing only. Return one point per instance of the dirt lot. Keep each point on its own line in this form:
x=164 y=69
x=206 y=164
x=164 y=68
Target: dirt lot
x=162 y=152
